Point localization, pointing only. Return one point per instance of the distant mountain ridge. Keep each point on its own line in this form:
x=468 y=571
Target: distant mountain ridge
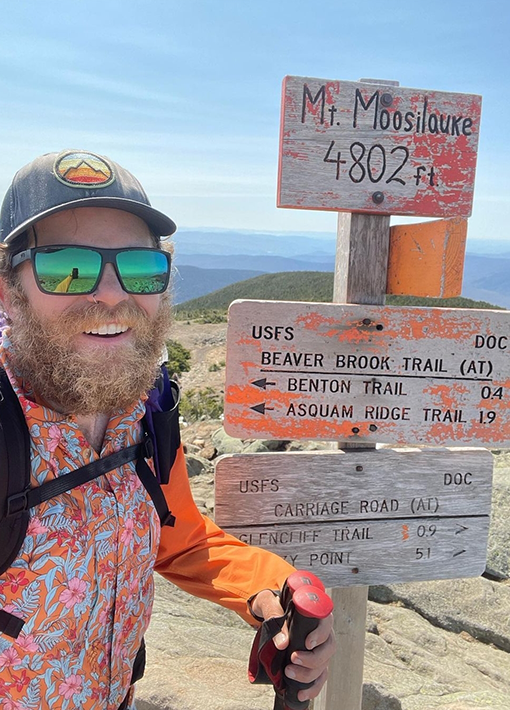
x=310 y=286
x=191 y=282
x=222 y=257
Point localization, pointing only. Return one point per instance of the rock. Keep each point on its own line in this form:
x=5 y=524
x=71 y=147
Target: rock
x=498 y=559
x=202 y=488
x=197 y=465
x=200 y=430
x=429 y=668
x=478 y=607
x=197 y=657
x=191 y=449
x=375 y=697
x=226 y=444
x=256 y=447
x=311 y=446
x=208 y=452
x=275 y=444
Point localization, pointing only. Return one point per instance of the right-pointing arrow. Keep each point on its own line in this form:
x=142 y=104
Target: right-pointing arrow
x=462 y=528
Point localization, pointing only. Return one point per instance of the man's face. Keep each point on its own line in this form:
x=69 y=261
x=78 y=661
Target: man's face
x=88 y=353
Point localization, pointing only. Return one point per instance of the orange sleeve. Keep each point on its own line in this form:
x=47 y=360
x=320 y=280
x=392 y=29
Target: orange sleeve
x=199 y=557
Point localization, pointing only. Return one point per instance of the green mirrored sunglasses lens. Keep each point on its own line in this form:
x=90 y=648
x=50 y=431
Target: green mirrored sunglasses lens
x=67 y=270
x=143 y=271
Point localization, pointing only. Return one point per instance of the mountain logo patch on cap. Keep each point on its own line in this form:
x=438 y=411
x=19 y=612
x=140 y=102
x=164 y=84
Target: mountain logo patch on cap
x=77 y=168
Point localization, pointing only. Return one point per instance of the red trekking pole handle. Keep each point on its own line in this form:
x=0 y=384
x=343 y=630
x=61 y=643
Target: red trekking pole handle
x=297 y=579
x=309 y=605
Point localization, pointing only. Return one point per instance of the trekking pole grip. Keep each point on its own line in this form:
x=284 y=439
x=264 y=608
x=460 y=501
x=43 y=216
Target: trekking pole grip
x=298 y=579
x=309 y=605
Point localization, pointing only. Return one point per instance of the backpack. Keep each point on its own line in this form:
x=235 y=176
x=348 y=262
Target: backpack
x=160 y=442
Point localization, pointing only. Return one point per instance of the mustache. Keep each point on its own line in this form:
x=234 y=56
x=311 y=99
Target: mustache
x=95 y=314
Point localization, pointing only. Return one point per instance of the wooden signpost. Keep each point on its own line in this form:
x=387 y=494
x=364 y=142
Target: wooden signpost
x=362 y=517
x=368 y=150
x=368 y=373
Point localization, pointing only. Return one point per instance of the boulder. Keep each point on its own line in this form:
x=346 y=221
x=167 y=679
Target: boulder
x=226 y=444
x=197 y=465
x=478 y=607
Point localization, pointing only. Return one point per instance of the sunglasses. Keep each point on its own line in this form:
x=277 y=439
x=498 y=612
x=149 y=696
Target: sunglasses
x=75 y=270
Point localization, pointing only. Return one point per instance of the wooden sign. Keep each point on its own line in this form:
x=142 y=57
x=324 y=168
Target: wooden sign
x=427 y=259
x=368 y=373
x=362 y=517
x=363 y=147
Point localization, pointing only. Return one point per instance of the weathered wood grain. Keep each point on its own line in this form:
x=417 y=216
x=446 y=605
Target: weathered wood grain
x=377 y=149
x=361 y=258
x=363 y=517
x=368 y=373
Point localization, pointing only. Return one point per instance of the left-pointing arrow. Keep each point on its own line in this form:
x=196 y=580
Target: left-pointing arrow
x=262 y=383
x=261 y=408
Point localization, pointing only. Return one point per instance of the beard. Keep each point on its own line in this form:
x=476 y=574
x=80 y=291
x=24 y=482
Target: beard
x=93 y=379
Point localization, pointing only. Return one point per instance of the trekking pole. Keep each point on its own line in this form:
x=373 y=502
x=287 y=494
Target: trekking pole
x=308 y=605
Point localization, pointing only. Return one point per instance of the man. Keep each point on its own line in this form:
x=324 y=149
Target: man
x=81 y=360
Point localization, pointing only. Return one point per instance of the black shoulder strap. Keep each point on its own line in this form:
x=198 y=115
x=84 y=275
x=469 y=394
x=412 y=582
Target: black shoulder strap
x=14 y=471
x=17 y=497
x=30 y=497
x=153 y=488
x=163 y=428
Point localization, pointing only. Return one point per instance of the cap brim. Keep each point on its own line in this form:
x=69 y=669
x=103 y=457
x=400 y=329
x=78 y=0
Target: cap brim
x=159 y=223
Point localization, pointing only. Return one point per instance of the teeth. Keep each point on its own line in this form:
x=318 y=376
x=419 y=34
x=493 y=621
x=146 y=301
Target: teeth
x=110 y=329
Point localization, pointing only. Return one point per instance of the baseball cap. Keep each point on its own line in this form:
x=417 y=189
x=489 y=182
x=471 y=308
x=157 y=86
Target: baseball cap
x=74 y=178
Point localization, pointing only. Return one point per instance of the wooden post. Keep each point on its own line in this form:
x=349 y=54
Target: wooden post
x=360 y=277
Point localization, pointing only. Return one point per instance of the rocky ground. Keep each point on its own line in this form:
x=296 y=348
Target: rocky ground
x=429 y=645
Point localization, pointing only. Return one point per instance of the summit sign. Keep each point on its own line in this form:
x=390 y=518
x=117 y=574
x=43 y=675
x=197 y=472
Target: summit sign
x=377 y=148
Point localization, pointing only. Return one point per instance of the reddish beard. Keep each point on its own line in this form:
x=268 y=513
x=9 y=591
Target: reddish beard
x=95 y=379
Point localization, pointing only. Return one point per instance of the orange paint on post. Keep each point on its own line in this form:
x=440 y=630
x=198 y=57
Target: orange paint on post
x=427 y=259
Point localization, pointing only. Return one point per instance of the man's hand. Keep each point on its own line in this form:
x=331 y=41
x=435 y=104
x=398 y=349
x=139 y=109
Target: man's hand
x=306 y=666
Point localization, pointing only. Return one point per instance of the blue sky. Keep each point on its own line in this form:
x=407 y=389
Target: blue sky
x=187 y=94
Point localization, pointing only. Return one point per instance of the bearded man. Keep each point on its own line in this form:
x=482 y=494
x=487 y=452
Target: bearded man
x=84 y=280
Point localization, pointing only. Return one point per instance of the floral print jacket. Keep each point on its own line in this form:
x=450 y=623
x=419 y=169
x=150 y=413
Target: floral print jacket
x=83 y=579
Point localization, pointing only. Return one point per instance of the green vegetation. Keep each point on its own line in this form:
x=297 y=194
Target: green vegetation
x=179 y=358
x=216 y=366
x=294 y=286
x=203 y=315
x=458 y=302
x=197 y=404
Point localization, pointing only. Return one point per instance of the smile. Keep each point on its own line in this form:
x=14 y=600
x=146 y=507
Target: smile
x=110 y=329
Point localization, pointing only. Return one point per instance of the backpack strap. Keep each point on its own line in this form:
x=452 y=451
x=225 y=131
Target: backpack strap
x=161 y=422
x=153 y=488
x=15 y=474
x=30 y=497
x=17 y=497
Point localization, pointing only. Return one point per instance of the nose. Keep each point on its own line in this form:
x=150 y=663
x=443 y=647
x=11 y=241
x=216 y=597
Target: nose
x=109 y=289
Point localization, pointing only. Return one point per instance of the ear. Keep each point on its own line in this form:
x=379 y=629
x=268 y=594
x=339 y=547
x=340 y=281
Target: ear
x=5 y=301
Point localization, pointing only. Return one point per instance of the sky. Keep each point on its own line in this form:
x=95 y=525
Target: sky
x=186 y=94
